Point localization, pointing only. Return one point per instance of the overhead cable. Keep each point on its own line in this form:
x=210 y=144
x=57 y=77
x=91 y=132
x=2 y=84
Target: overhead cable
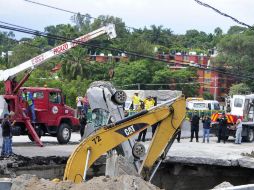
x=56 y=37
x=224 y=14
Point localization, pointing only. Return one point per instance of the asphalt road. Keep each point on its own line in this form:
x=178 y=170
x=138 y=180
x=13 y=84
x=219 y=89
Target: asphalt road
x=185 y=151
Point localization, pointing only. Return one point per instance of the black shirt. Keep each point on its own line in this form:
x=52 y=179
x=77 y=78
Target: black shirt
x=6 y=128
x=82 y=120
x=195 y=121
x=222 y=122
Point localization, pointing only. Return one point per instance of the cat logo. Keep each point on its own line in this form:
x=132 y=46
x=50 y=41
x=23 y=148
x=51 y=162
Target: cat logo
x=129 y=131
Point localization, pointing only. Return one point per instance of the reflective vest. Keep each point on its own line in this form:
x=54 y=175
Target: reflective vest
x=28 y=98
x=148 y=103
x=136 y=100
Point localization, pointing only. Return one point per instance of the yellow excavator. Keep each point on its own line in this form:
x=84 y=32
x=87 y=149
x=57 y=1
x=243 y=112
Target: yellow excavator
x=168 y=118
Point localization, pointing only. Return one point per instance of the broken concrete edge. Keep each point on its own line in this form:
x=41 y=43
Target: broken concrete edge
x=244 y=162
x=239 y=187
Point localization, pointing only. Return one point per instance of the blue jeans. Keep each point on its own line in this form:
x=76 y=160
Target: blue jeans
x=206 y=133
x=31 y=109
x=6 y=147
x=238 y=136
x=86 y=108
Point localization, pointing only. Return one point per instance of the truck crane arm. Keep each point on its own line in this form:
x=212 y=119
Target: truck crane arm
x=38 y=60
x=169 y=117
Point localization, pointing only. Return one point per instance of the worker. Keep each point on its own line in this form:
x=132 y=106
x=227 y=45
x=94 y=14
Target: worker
x=136 y=101
x=83 y=122
x=222 y=128
x=178 y=137
x=142 y=134
x=7 y=135
x=79 y=105
x=206 y=128
x=28 y=97
x=149 y=102
x=194 y=126
x=238 y=136
x=85 y=104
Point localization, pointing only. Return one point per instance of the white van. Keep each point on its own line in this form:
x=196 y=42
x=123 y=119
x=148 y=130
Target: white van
x=203 y=105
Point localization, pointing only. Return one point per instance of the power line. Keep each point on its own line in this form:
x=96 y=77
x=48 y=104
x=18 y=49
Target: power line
x=49 y=6
x=50 y=36
x=223 y=14
x=72 y=12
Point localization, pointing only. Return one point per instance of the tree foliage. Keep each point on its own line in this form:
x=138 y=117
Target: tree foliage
x=237 y=55
x=78 y=70
x=240 y=88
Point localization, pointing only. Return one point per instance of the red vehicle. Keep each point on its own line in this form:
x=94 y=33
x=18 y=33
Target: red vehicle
x=53 y=117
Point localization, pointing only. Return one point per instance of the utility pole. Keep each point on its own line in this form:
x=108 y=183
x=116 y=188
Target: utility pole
x=215 y=88
x=138 y=86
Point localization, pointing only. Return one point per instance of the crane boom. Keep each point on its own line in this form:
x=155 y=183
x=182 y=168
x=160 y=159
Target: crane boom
x=38 y=60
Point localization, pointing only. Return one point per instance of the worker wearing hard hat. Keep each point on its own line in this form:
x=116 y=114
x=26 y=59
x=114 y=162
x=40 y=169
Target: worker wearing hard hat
x=149 y=102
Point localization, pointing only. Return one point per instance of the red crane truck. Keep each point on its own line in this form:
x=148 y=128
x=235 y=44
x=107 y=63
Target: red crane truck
x=53 y=117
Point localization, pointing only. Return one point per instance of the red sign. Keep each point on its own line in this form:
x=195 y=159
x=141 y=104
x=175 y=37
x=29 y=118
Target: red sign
x=37 y=59
x=60 y=49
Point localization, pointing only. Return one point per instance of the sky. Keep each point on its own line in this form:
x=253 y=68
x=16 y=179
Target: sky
x=178 y=15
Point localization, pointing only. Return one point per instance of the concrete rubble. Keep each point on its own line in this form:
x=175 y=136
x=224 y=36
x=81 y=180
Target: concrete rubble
x=225 y=184
x=126 y=182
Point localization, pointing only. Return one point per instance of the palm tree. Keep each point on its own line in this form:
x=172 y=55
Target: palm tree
x=74 y=62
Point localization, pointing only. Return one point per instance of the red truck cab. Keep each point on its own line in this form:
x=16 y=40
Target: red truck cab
x=53 y=117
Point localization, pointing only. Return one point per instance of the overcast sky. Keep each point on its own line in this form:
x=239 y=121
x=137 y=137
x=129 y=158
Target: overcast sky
x=178 y=15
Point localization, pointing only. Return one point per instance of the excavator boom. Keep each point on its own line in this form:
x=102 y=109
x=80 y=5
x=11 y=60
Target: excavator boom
x=169 y=118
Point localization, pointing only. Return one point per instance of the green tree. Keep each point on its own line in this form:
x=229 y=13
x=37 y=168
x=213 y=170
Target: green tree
x=82 y=22
x=237 y=55
x=73 y=62
x=21 y=53
x=207 y=96
x=240 y=88
x=218 y=31
x=236 y=30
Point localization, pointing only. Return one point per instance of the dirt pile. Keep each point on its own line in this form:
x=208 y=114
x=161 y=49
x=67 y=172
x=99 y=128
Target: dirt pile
x=127 y=182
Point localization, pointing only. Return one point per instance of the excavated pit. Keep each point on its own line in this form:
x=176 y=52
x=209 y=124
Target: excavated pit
x=169 y=176
x=43 y=167
x=200 y=177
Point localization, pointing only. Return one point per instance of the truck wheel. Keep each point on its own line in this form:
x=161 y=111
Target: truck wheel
x=250 y=135
x=64 y=133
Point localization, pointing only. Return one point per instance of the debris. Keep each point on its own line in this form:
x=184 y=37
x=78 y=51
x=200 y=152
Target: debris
x=31 y=182
x=223 y=185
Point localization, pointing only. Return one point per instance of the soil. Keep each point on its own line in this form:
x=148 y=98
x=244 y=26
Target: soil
x=126 y=182
x=248 y=154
